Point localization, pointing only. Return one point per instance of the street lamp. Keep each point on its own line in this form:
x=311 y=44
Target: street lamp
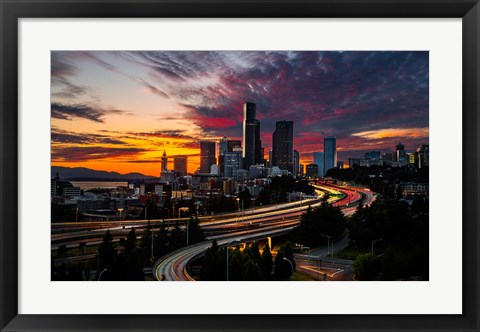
x=98 y=258
x=328 y=244
x=373 y=242
x=236 y=241
x=120 y=210
x=100 y=275
x=291 y=265
x=188 y=220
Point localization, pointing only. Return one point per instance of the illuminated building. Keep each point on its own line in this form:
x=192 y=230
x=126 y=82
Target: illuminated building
x=330 y=150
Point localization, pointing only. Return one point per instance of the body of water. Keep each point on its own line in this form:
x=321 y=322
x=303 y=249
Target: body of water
x=86 y=185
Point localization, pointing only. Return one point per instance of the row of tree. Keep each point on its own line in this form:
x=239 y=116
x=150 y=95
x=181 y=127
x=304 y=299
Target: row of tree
x=316 y=224
x=381 y=179
x=126 y=259
x=248 y=264
x=402 y=232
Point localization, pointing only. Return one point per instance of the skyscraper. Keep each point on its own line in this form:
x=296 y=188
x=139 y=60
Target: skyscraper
x=330 y=150
x=400 y=153
x=318 y=158
x=207 y=156
x=223 y=146
x=233 y=144
x=251 y=136
x=423 y=156
x=282 y=145
x=180 y=165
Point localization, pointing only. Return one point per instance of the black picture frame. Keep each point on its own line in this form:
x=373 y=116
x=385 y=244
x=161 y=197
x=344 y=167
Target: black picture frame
x=11 y=11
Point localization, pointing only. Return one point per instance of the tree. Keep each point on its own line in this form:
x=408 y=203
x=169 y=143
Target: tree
x=195 y=232
x=177 y=238
x=405 y=240
x=67 y=272
x=266 y=262
x=252 y=270
x=130 y=242
x=325 y=219
x=367 y=267
x=213 y=263
x=146 y=245
x=245 y=197
x=160 y=242
x=283 y=269
x=236 y=265
x=264 y=197
x=106 y=254
x=253 y=252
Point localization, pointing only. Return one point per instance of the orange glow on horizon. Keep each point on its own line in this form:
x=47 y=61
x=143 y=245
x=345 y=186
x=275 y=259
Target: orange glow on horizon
x=393 y=132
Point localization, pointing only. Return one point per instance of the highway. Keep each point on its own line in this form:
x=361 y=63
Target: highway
x=72 y=233
x=173 y=266
x=250 y=224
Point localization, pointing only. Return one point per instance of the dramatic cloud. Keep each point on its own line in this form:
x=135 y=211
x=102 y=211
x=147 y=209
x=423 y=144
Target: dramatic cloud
x=343 y=91
x=368 y=100
x=63 y=137
x=92 y=113
x=394 y=132
x=78 y=154
x=176 y=134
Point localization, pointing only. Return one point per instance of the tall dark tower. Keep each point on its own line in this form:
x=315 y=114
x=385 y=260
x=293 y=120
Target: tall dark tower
x=207 y=156
x=252 y=153
x=282 y=145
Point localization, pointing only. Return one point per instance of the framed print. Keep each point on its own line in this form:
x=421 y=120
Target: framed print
x=275 y=155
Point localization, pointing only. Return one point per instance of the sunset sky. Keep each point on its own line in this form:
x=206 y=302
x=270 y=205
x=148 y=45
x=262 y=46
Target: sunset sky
x=118 y=111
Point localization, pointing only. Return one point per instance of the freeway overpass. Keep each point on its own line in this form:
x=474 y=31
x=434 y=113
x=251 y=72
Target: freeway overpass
x=173 y=266
x=250 y=224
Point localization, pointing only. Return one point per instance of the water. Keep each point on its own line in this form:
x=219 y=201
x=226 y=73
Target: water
x=87 y=185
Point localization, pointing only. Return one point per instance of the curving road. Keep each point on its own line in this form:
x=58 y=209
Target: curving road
x=173 y=266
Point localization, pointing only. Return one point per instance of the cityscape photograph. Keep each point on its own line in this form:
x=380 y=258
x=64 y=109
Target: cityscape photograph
x=239 y=166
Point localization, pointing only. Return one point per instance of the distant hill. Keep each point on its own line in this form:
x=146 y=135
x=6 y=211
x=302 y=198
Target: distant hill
x=87 y=174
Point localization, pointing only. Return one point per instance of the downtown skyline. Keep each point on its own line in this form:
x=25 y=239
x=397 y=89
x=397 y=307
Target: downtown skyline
x=118 y=111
